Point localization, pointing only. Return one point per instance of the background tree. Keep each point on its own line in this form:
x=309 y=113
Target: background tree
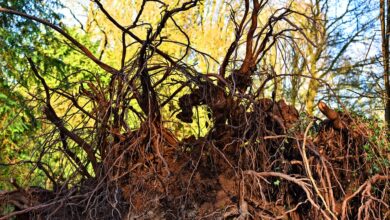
x=335 y=31
x=385 y=27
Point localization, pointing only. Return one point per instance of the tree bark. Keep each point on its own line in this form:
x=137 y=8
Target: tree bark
x=312 y=91
x=385 y=26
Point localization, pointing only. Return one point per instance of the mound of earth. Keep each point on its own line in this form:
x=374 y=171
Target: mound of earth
x=256 y=163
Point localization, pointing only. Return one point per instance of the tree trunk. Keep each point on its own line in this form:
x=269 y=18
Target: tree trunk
x=314 y=84
x=385 y=26
x=311 y=95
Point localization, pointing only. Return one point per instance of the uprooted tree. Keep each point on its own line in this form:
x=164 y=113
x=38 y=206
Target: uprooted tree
x=257 y=160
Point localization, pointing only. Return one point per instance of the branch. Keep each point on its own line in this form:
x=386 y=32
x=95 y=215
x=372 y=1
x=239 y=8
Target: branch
x=52 y=116
x=66 y=35
x=233 y=46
